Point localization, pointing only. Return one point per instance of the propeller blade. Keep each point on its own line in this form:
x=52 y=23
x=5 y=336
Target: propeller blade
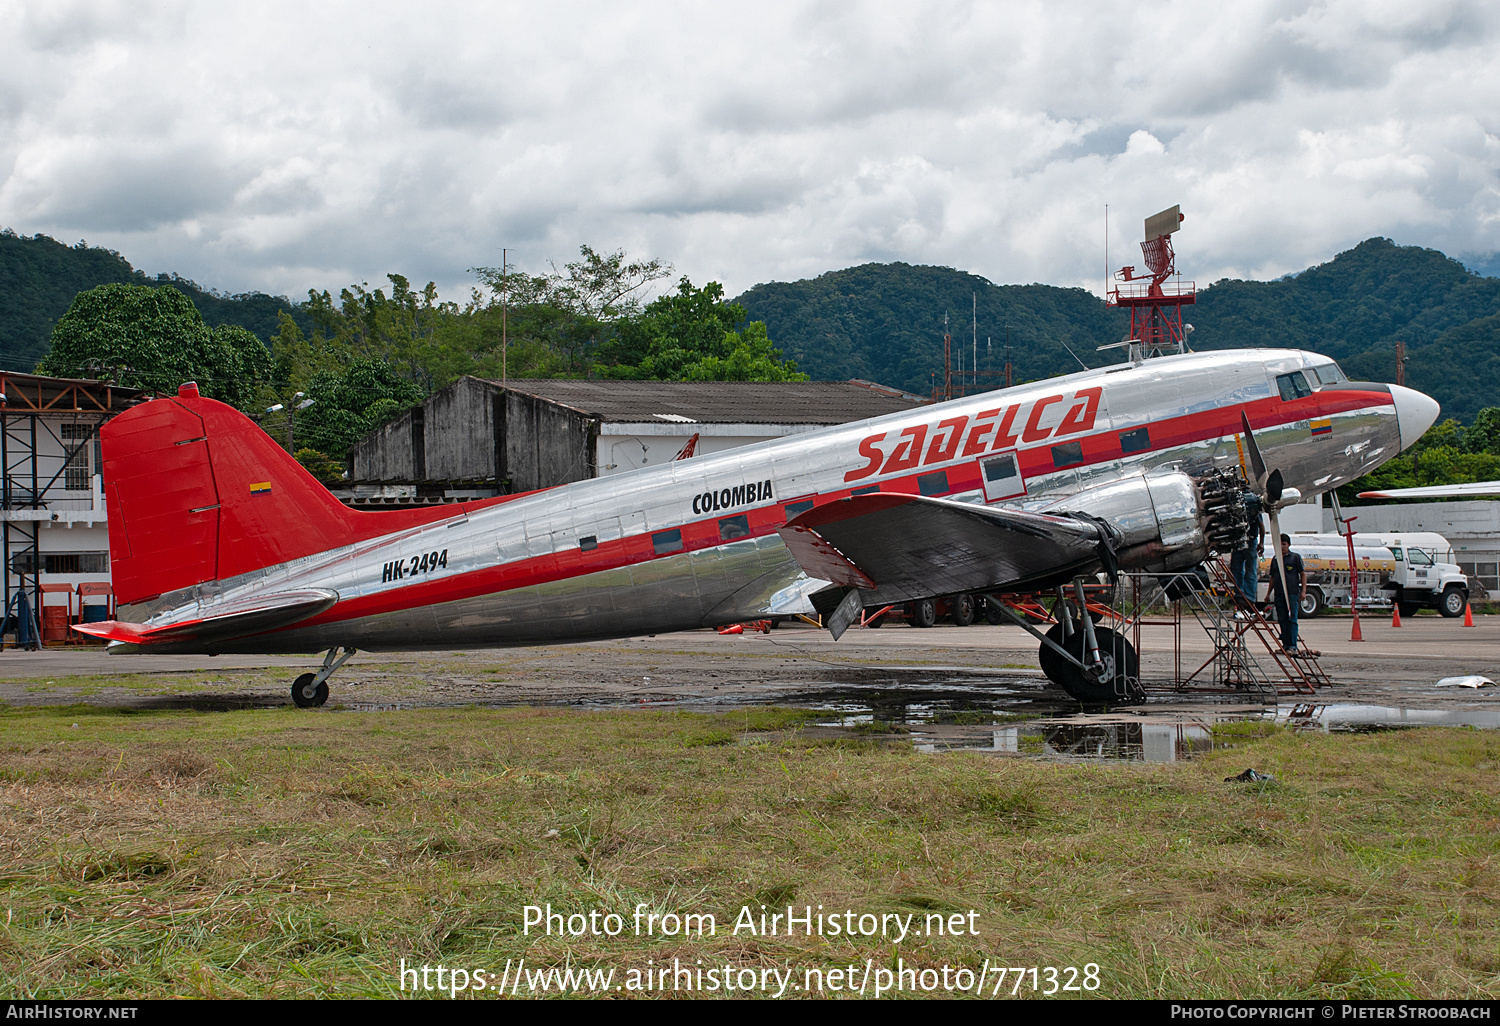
x=1280 y=563
x=1274 y=486
x=1257 y=465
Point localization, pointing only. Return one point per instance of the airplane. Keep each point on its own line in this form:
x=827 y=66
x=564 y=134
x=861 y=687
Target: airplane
x=222 y=543
x=1469 y=490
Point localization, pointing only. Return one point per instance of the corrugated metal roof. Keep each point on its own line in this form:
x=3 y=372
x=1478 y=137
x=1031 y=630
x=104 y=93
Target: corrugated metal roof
x=719 y=402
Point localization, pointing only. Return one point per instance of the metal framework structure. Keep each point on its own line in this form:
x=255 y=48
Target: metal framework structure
x=1155 y=303
x=34 y=409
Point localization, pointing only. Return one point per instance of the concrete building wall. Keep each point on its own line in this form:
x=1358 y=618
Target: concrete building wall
x=544 y=444
x=386 y=454
x=456 y=431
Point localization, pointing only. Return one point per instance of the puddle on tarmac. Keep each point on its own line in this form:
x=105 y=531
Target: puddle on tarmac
x=1024 y=719
x=948 y=709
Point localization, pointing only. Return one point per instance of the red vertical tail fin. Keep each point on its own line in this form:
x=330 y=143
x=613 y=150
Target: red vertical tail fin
x=197 y=492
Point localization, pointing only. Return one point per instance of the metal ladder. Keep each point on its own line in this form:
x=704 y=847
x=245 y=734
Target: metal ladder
x=1301 y=673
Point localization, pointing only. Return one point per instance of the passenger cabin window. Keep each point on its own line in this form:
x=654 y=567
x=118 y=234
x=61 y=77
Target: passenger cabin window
x=933 y=484
x=731 y=528
x=667 y=541
x=796 y=509
x=1293 y=386
x=866 y=490
x=588 y=543
x=1067 y=455
x=1138 y=440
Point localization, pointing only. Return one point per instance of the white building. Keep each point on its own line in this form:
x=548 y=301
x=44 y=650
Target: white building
x=53 y=526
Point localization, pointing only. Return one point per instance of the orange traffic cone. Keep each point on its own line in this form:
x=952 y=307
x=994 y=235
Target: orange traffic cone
x=1355 y=635
x=1396 y=616
x=734 y=628
x=1468 y=615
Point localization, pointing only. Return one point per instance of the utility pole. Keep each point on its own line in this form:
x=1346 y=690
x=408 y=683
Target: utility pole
x=947 y=360
x=1400 y=363
x=504 y=312
x=974 y=364
x=1007 y=356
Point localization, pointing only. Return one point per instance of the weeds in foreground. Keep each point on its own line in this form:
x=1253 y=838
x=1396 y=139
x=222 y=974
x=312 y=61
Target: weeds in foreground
x=281 y=853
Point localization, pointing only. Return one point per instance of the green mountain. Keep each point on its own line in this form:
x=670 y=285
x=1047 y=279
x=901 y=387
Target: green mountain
x=884 y=321
x=1356 y=307
x=39 y=277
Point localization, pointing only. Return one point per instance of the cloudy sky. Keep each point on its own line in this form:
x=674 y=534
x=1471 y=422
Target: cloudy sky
x=280 y=146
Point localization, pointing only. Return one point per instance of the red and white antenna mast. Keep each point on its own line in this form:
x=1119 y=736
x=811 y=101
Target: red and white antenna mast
x=1154 y=302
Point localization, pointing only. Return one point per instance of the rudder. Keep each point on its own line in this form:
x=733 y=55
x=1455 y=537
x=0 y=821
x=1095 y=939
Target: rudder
x=198 y=492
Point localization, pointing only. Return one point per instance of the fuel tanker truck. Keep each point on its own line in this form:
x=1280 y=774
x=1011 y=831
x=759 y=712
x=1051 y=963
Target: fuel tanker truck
x=1405 y=570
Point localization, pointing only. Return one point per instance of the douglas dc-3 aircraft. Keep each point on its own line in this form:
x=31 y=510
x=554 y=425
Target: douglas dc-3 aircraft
x=221 y=542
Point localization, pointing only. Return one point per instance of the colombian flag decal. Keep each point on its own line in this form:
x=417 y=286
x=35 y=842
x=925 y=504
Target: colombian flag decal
x=261 y=488
x=1319 y=427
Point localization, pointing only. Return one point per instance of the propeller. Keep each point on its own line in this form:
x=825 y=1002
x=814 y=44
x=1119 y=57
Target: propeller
x=1270 y=487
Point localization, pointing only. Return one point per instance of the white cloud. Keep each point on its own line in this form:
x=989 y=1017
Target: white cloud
x=281 y=146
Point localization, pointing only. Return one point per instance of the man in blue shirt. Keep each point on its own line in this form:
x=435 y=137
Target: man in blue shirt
x=1294 y=585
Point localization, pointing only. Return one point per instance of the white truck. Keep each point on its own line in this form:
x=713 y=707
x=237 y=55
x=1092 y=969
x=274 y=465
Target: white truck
x=1411 y=570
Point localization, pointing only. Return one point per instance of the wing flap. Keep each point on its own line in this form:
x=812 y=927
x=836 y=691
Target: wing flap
x=232 y=620
x=911 y=546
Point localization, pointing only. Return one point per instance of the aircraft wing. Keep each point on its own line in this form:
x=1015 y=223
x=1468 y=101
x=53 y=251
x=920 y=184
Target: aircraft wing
x=232 y=620
x=1472 y=490
x=898 y=547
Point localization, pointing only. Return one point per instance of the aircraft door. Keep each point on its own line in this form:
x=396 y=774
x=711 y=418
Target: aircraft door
x=1002 y=478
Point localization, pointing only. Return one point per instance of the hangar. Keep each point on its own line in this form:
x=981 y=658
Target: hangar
x=479 y=437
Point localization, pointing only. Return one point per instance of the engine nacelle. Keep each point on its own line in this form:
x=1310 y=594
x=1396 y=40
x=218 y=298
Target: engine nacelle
x=1163 y=522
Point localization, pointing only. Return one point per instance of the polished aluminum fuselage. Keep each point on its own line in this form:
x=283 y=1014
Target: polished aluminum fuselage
x=521 y=572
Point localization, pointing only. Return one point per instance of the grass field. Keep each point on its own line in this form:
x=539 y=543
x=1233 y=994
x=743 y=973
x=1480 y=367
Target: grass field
x=288 y=853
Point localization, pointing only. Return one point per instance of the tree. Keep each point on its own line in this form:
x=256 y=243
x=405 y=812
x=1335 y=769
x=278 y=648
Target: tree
x=346 y=406
x=694 y=335
x=579 y=305
x=1447 y=454
x=154 y=338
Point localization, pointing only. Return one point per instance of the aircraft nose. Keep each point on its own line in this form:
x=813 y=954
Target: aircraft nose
x=1415 y=413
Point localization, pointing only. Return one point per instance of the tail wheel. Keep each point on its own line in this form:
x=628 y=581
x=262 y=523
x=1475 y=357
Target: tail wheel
x=924 y=613
x=306 y=695
x=1120 y=679
x=963 y=610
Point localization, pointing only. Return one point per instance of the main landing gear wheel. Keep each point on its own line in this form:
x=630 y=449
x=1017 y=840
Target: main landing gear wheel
x=962 y=613
x=306 y=694
x=1120 y=679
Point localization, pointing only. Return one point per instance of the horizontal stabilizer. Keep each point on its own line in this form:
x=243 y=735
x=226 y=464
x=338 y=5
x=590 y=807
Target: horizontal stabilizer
x=912 y=546
x=231 y=620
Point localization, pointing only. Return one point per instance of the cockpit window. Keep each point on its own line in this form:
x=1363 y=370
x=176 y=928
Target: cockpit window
x=1324 y=374
x=1293 y=386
